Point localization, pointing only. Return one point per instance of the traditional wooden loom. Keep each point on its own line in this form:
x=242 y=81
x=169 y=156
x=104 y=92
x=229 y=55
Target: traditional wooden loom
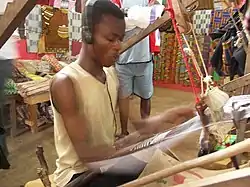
x=17 y=11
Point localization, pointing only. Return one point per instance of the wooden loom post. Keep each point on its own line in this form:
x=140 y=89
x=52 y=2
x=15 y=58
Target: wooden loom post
x=154 y=26
x=247 y=64
x=231 y=151
x=42 y=171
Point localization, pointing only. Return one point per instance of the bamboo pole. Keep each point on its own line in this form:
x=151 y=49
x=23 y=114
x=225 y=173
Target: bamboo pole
x=231 y=151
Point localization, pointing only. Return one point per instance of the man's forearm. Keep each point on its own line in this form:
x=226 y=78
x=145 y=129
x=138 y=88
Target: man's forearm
x=172 y=117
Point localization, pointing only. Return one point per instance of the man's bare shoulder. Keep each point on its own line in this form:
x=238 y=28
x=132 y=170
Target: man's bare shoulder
x=59 y=80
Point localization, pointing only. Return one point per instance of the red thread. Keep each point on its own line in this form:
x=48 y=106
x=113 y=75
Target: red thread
x=178 y=36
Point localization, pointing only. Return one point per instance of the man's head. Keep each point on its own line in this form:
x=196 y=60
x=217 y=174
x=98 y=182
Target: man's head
x=103 y=31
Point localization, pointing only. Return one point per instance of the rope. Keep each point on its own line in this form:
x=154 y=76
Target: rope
x=178 y=36
x=190 y=52
x=199 y=51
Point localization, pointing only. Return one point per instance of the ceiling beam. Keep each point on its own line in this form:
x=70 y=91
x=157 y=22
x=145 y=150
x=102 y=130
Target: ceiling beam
x=13 y=16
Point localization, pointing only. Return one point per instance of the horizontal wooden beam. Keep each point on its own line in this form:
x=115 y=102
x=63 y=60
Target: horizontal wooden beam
x=151 y=28
x=13 y=16
x=145 y=32
x=236 y=178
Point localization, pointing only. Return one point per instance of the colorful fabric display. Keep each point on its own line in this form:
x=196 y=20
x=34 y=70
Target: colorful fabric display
x=170 y=68
x=56 y=66
x=201 y=21
x=33 y=25
x=220 y=18
x=55 y=30
x=206 y=49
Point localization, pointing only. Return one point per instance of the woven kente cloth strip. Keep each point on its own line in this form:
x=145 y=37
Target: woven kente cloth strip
x=157 y=69
x=206 y=49
x=195 y=50
x=158 y=60
x=182 y=67
x=227 y=55
x=219 y=18
x=33 y=25
x=161 y=55
x=201 y=21
x=174 y=59
x=75 y=30
x=169 y=56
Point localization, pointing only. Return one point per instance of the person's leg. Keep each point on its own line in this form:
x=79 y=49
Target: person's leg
x=5 y=73
x=143 y=87
x=125 y=90
x=110 y=180
x=145 y=108
x=102 y=180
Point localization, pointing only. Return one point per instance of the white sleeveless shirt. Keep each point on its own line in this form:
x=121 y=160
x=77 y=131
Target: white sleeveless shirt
x=95 y=104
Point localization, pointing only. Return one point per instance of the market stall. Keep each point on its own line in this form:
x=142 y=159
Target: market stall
x=45 y=46
x=34 y=90
x=216 y=35
x=28 y=94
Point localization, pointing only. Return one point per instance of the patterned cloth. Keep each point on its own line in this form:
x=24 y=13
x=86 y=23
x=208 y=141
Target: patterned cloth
x=55 y=29
x=201 y=21
x=169 y=66
x=75 y=30
x=33 y=25
x=219 y=18
x=206 y=49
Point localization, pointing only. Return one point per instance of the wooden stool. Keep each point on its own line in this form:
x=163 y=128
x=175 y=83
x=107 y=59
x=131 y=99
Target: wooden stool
x=45 y=180
x=38 y=182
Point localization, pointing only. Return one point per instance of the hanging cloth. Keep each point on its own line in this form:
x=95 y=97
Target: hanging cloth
x=75 y=31
x=4 y=164
x=33 y=25
x=55 y=29
x=201 y=21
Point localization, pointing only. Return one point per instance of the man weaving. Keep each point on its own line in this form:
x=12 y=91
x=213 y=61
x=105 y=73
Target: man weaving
x=84 y=97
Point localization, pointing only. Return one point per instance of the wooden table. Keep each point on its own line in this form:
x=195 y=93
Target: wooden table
x=11 y=101
x=32 y=102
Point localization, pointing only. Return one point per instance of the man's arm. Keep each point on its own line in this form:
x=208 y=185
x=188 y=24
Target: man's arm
x=64 y=100
x=145 y=128
x=164 y=121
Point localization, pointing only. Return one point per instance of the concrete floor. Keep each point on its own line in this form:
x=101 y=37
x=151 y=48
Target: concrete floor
x=22 y=149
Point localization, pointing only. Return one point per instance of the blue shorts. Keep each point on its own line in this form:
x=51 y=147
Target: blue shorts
x=135 y=79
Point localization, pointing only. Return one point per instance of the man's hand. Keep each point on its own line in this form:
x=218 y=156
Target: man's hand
x=164 y=121
x=122 y=135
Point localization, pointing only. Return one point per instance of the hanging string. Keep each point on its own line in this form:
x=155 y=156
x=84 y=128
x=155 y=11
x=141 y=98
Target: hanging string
x=199 y=51
x=178 y=36
x=190 y=52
